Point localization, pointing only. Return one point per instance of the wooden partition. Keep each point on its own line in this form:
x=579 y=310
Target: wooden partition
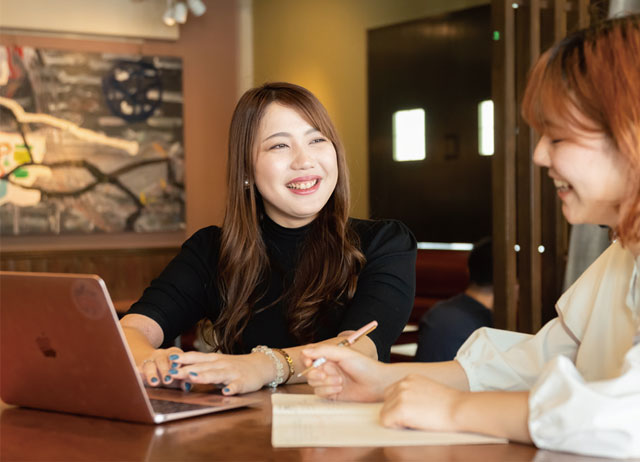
x=526 y=211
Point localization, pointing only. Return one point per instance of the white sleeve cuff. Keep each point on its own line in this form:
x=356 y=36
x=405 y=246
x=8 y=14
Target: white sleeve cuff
x=488 y=365
x=596 y=419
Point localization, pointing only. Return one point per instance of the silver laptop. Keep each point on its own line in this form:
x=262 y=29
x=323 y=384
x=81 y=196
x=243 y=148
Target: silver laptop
x=62 y=349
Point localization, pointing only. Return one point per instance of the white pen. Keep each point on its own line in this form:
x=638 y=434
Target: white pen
x=350 y=340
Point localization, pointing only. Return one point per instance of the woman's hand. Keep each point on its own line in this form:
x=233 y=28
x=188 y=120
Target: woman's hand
x=236 y=373
x=418 y=402
x=157 y=369
x=347 y=375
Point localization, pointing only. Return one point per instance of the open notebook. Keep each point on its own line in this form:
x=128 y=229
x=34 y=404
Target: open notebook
x=310 y=421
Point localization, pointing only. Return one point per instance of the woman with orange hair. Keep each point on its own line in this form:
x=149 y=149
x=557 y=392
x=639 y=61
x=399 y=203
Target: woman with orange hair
x=287 y=267
x=575 y=385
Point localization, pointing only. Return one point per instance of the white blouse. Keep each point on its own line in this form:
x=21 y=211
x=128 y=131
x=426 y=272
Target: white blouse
x=582 y=368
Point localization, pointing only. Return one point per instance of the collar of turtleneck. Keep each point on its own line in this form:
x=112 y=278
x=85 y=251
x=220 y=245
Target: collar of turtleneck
x=278 y=232
x=283 y=244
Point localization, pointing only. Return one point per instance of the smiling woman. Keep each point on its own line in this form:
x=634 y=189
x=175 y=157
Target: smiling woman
x=287 y=267
x=574 y=386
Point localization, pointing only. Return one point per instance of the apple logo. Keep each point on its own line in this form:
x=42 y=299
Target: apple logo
x=45 y=346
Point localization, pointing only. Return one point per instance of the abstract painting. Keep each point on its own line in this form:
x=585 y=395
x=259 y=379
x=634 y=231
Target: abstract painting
x=90 y=143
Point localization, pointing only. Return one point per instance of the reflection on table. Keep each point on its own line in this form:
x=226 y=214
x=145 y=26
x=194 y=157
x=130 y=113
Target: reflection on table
x=239 y=435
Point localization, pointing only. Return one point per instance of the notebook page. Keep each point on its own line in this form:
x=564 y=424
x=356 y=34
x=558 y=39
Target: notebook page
x=301 y=420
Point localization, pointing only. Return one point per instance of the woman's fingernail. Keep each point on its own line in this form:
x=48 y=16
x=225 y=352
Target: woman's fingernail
x=195 y=374
x=173 y=357
x=187 y=386
x=154 y=379
x=174 y=365
x=226 y=389
x=173 y=371
x=167 y=378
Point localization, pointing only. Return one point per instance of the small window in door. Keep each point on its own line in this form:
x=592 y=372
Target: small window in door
x=485 y=128
x=409 y=140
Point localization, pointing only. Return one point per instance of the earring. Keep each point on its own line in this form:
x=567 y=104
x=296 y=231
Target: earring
x=246 y=183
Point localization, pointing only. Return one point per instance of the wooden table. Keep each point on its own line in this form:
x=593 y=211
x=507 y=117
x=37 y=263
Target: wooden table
x=238 y=435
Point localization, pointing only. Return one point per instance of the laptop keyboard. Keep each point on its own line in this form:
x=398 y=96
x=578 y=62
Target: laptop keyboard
x=161 y=406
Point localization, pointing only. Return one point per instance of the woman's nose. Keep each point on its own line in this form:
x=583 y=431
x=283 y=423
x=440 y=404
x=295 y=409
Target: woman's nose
x=301 y=159
x=541 y=152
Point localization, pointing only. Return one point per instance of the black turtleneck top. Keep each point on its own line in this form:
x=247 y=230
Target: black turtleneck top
x=186 y=292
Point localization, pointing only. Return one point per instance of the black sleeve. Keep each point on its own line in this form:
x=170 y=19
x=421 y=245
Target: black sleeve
x=185 y=290
x=386 y=284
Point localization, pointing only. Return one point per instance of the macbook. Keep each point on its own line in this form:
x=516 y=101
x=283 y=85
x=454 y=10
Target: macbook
x=62 y=349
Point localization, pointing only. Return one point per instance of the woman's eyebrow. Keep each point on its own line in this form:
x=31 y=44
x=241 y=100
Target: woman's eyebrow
x=287 y=134
x=277 y=134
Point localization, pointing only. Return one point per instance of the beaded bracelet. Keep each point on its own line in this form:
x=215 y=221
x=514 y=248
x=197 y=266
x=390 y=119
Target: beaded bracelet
x=289 y=361
x=279 y=368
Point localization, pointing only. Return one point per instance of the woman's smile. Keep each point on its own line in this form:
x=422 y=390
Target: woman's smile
x=304 y=185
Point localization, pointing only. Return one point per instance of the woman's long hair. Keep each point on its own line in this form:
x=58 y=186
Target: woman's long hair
x=328 y=266
x=595 y=71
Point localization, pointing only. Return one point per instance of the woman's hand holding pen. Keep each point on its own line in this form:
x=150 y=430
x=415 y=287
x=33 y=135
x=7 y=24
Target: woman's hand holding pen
x=414 y=401
x=347 y=375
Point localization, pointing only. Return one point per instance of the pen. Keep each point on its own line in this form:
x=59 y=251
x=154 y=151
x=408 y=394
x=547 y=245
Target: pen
x=350 y=340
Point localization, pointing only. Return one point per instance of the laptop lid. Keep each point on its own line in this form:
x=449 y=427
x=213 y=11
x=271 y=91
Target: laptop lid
x=63 y=350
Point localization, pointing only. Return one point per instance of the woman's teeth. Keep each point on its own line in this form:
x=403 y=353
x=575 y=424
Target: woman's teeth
x=303 y=185
x=562 y=185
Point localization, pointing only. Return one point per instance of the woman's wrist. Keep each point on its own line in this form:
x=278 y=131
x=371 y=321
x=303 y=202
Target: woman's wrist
x=385 y=376
x=461 y=410
x=272 y=369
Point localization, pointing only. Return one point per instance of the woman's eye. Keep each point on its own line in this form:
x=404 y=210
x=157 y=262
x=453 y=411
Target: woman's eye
x=318 y=140
x=278 y=146
x=556 y=140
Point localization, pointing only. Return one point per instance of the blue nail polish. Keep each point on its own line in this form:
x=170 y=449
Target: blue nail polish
x=195 y=374
x=174 y=365
x=173 y=371
x=167 y=378
x=154 y=380
x=187 y=386
x=226 y=389
x=173 y=357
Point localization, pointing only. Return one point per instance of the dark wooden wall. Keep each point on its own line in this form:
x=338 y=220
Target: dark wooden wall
x=126 y=272
x=441 y=64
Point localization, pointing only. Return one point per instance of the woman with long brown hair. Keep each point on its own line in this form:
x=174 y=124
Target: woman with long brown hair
x=287 y=267
x=575 y=385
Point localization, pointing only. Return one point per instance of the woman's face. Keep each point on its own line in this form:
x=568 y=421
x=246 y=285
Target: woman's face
x=590 y=175
x=295 y=167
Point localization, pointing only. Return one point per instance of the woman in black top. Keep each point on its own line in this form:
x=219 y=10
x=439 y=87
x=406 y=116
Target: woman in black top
x=287 y=267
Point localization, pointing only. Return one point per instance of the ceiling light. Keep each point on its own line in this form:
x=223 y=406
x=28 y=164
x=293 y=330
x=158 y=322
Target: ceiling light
x=167 y=17
x=197 y=7
x=180 y=12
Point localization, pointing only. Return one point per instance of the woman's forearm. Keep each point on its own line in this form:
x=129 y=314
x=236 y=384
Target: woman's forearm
x=143 y=335
x=498 y=413
x=448 y=373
